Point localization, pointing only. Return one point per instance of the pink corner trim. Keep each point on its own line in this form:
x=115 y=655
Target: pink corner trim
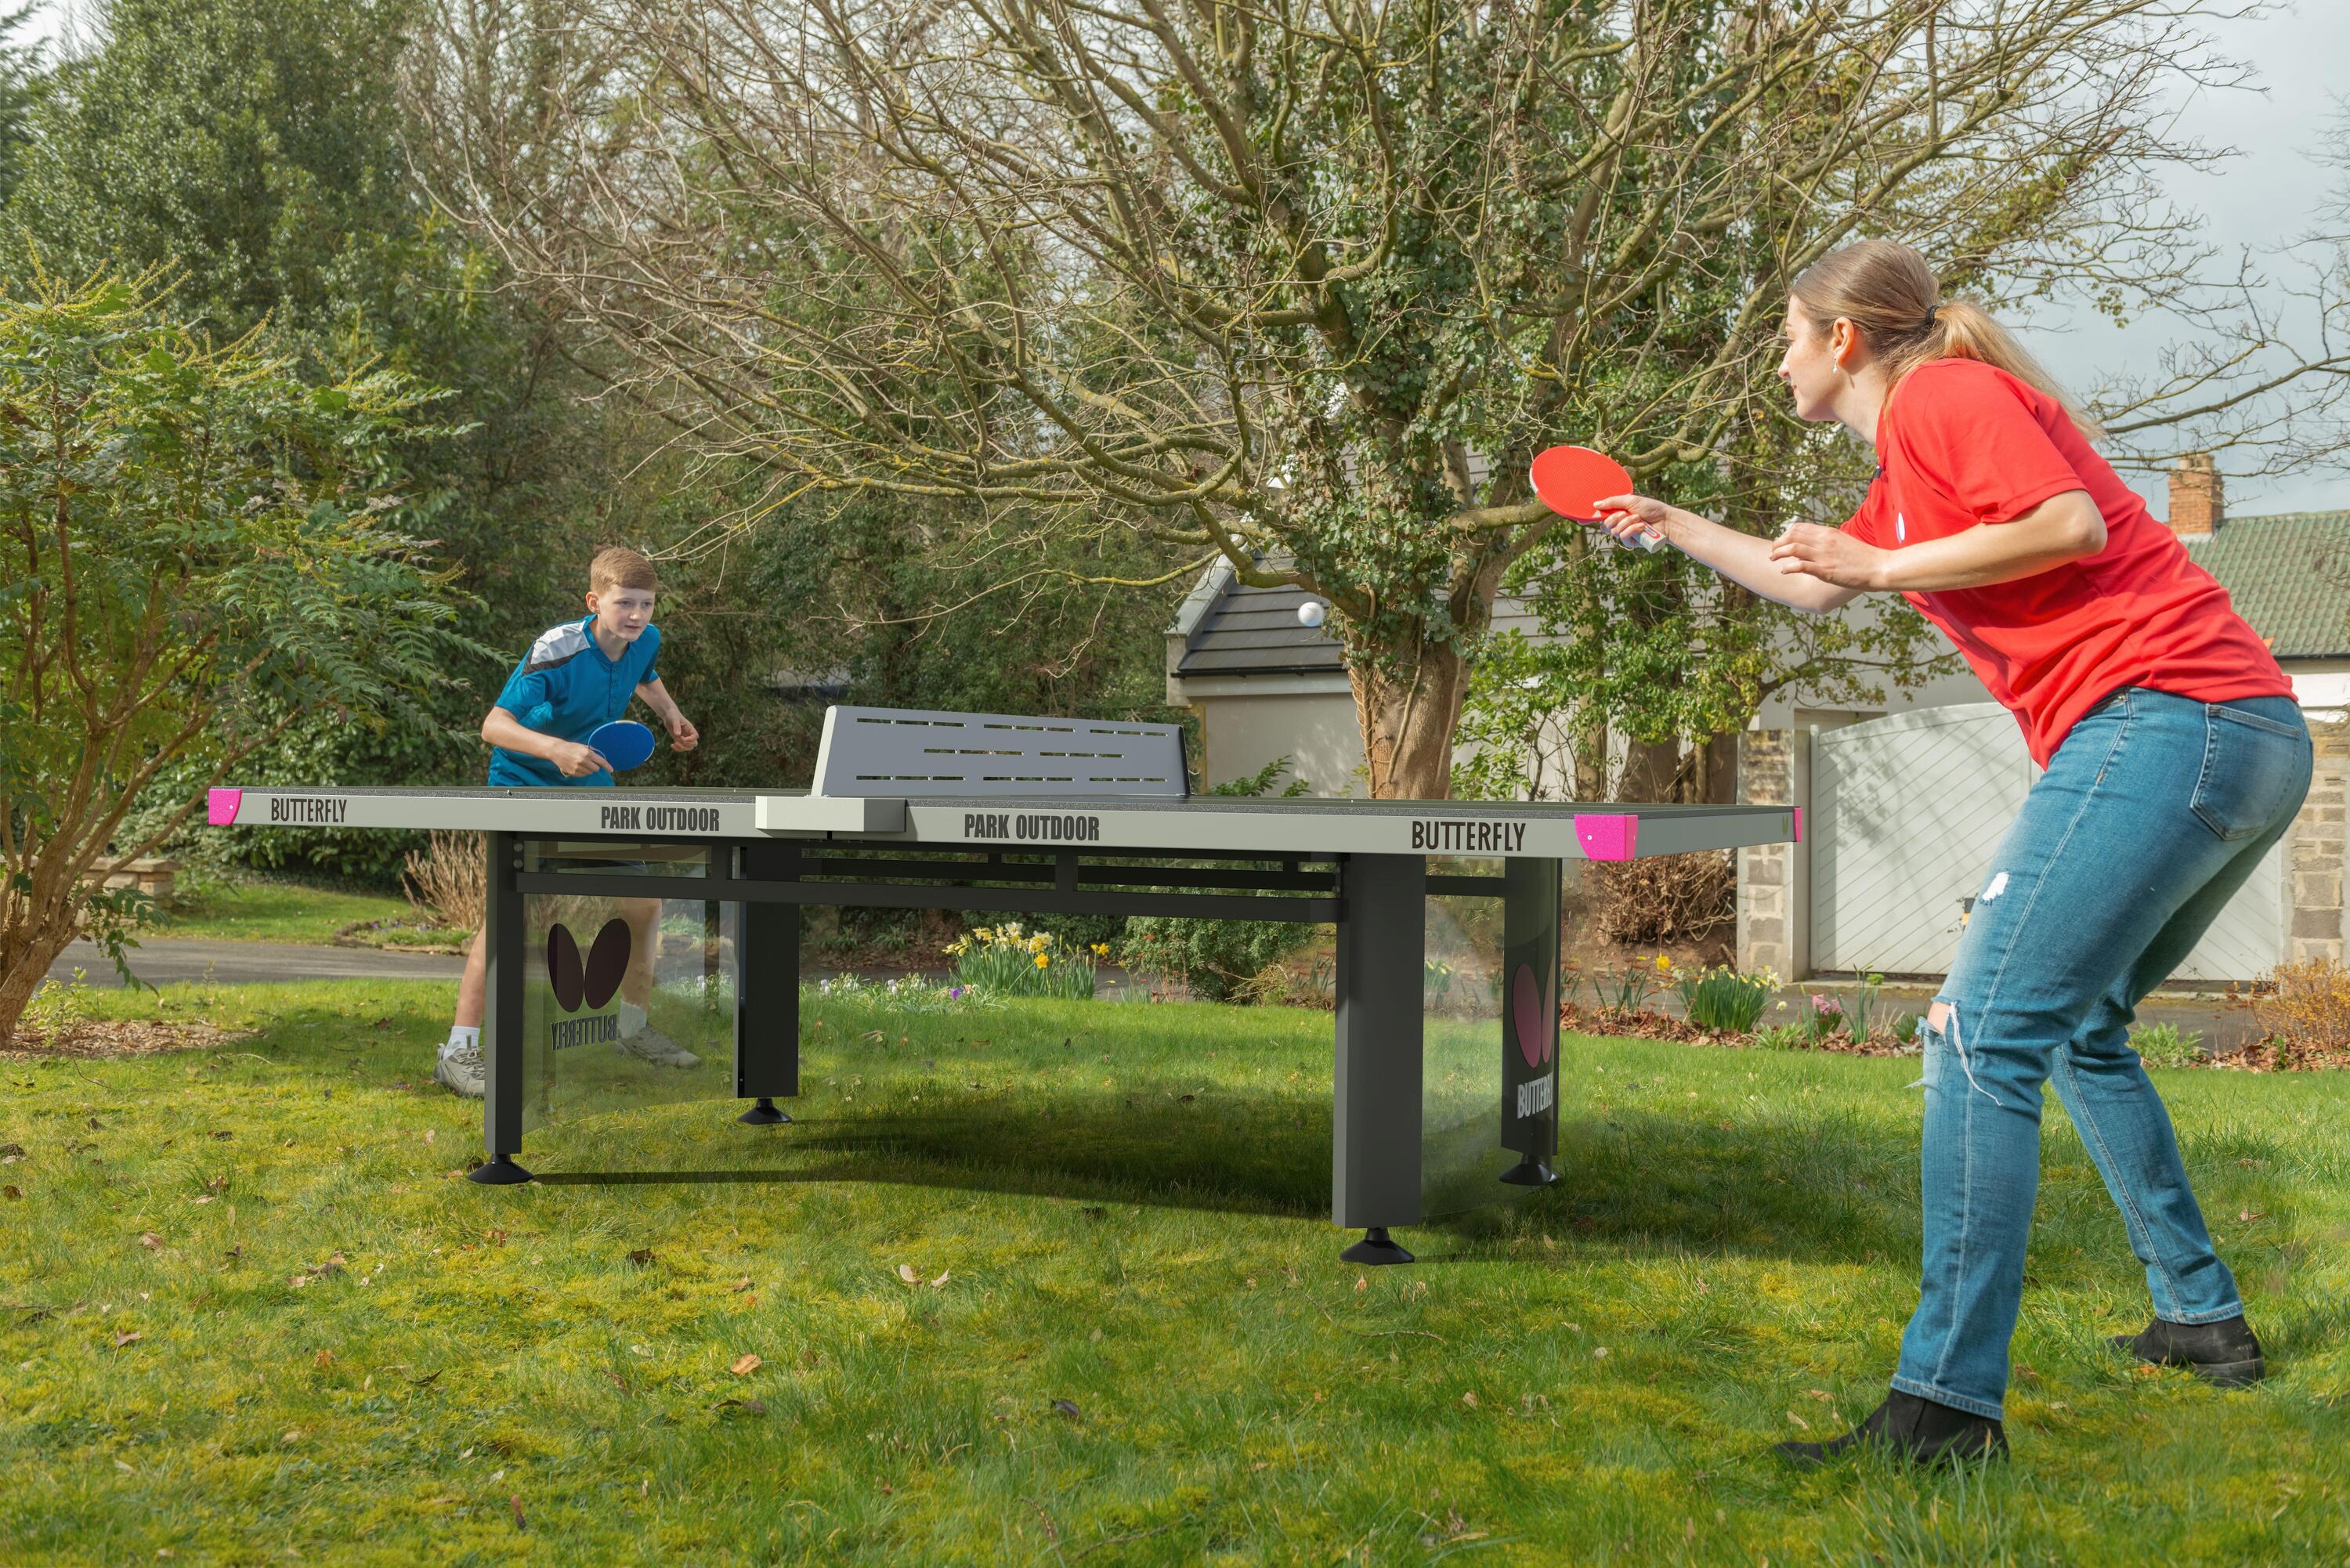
x=221 y=806
x=1799 y=825
x=1612 y=837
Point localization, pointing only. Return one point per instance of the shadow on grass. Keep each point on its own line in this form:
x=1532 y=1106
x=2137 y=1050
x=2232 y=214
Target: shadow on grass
x=1830 y=1187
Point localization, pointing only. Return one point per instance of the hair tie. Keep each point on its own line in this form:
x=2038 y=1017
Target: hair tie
x=1932 y=312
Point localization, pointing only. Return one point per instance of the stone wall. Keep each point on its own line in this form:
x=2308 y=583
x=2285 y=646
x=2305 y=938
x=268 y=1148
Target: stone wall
x=1773 y=907
x=2316 y=928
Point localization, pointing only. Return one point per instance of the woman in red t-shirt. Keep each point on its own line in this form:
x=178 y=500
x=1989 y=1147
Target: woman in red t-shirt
x=2175 y=758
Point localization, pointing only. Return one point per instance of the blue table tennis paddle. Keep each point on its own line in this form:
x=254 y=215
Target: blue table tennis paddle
x=623 y=743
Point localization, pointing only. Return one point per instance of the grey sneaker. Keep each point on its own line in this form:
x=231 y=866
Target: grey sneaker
x=650 y=1044
x=460 y=1068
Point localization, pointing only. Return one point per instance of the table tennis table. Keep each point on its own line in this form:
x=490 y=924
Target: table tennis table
x=917 y=810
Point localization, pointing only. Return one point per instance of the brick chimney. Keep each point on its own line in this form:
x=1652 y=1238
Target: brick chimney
x=2197 y=502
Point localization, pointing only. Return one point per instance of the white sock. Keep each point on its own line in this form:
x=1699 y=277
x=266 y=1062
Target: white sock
x=632 y=1020
x=460 y=1036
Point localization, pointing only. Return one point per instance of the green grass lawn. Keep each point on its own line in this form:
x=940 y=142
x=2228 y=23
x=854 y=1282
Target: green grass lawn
x=254 y=909
x=251 y=1313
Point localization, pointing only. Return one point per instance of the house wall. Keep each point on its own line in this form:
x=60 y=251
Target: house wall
x=1316 y=728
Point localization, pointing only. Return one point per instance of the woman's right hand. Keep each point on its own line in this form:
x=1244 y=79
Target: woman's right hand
x=574 y=761
x=1634 y=519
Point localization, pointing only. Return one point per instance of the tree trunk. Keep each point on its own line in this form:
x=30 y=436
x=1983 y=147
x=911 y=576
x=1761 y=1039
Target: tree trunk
x=26 y=951
x=1408 y=718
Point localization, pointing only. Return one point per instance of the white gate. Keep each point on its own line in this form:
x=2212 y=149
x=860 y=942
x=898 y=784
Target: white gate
x=1907 y=812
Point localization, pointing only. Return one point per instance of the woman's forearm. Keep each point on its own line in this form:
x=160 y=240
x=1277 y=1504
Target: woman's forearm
x=2061 y=528
x=1746 y=561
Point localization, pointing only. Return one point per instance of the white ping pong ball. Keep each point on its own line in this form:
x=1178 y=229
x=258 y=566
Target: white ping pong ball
x=1311 y=613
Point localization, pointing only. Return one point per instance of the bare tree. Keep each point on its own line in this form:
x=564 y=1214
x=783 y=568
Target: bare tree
x=1300 y=285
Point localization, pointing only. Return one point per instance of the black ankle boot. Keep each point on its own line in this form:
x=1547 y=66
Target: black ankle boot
x=1918 y=1429
x=2226 y=1355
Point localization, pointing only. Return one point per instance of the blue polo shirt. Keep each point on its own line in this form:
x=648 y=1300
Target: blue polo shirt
x=565 y=687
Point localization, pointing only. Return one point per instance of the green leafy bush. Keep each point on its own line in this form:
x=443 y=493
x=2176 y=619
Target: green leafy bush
x=1216 y=959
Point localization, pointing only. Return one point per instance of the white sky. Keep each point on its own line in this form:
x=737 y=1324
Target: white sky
x=2266 y=194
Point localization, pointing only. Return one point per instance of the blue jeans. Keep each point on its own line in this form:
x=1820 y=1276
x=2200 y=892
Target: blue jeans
x=2152 y=813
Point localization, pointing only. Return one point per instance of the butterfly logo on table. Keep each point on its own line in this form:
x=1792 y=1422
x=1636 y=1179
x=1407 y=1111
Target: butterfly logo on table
x=591 y=982
x=1537 y=1022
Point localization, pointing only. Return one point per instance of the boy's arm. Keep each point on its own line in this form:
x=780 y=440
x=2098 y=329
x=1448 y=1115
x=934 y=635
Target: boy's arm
x=571 y=759
x=681 y=732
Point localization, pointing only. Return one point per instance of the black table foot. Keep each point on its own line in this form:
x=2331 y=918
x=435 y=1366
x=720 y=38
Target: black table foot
x=1529 y=1172
x=498 y=1171
x=765 y=1113
x=1375 y=1248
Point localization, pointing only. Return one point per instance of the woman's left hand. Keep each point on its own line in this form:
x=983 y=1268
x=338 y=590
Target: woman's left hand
x=1830 y=554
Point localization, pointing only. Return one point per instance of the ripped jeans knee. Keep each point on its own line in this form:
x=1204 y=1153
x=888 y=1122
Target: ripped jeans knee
x=1943 y=1035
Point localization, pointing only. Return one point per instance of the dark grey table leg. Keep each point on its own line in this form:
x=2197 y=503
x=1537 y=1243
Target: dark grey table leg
x=768 y=990
x=1375 y=1127
x=501 y=1041
x=1530 y=931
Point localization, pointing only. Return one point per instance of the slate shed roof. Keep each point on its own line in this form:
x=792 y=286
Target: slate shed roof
x=2288 y=575
x=1254 y=631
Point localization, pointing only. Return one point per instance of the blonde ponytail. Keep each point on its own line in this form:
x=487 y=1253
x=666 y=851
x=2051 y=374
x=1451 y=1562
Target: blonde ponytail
x=1888 y=292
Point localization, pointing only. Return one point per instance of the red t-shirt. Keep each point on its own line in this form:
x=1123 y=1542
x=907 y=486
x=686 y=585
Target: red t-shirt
x=1962 y=444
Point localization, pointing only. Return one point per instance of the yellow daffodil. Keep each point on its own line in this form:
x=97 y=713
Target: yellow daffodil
x=1042 y=960
x=1101 y=949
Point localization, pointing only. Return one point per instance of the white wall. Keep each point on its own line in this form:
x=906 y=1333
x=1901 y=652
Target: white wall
x=1316 y=730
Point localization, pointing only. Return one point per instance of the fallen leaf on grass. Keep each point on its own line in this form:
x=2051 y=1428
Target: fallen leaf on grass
x=1068 y=1408
x=1821 y=1395
x=745 y=1365
x=148 y=1239
x=293 y=1435
x=940 y=1281
x=1469 y=1398
x=642 y=1257
x=224 y=1132
x=325 y=1358
x=12 y=1190
x=1799 y=1420
x=906 y=1272
x=132 y=1337
x=744 y=1283
x=516 y=1501
x=753 y=1406
x=12 y=1150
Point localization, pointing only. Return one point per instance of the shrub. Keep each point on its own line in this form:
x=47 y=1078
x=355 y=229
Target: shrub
x=1665 y=898
x=1724 y=1000
x=1005 y=960
x=2305 y=1009
x=1218 y=960
x=449 y=878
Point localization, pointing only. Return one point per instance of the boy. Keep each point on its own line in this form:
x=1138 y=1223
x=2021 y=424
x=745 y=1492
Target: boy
x=578 y=675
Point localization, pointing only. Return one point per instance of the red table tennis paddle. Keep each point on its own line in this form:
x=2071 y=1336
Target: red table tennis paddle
x=1572 y=480
x=623 y=743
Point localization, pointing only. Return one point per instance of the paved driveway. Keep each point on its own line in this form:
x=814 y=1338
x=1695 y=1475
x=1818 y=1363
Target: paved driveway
x=162 y=960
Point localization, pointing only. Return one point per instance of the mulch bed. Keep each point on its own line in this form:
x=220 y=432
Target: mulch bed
x=1639 y=1024
x=89 y=1039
